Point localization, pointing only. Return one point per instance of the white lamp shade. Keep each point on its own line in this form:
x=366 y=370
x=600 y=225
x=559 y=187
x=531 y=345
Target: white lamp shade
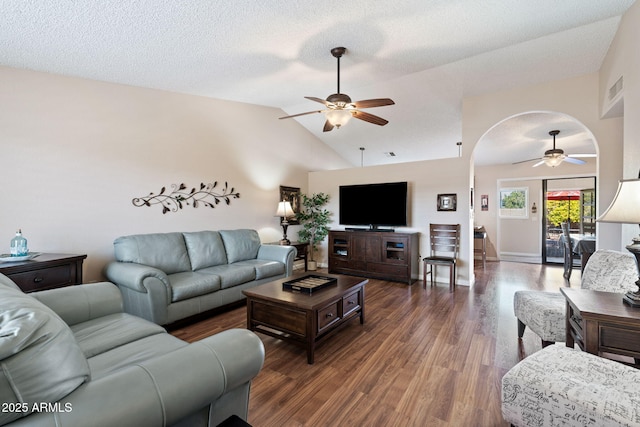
x=284 y=210
x=338 y=117
x=625 y=208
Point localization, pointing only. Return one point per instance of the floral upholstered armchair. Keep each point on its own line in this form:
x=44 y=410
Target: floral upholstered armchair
x=544 y=312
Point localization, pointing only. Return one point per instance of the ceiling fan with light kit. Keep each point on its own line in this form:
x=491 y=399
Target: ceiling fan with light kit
x=556 y=156
x=339 y=107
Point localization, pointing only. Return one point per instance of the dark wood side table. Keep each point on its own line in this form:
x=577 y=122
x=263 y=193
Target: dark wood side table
x=46 y=271
x=301 y=249
x=479 y=233
x=599 y=322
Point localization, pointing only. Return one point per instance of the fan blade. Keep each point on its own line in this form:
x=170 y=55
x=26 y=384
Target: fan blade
x=541 y=162
x=582 y=155
x=301 y=114
x=370 y=103
x=321 y=101
x=327 y=126
x=525 y=161
x=574 y=161
x=369 y=118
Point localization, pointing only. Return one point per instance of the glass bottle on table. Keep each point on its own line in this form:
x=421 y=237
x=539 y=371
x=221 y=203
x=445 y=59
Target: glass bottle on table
x=19 y=245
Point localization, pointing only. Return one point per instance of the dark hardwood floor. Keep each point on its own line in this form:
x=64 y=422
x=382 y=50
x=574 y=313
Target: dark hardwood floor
x=422 y=358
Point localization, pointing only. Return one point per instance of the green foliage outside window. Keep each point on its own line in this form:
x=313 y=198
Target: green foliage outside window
x=513 y=200
x=559 y=210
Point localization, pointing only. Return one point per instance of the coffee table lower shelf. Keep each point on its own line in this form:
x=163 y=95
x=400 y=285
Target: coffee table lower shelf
x=301 y=319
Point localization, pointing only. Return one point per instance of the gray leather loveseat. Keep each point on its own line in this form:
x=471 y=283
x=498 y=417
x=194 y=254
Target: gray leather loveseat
x=166 y=277
x=72 y=357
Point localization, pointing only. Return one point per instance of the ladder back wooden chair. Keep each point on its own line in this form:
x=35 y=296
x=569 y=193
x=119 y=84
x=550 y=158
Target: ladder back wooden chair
x=569 y=254
x=445 y=243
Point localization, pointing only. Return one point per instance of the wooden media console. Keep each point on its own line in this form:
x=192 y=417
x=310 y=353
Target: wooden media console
x=375 y=254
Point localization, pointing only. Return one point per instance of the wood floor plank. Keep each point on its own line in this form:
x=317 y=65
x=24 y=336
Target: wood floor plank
x=423 y=356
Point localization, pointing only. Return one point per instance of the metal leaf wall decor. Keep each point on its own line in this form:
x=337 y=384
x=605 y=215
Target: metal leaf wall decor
x=181 y=196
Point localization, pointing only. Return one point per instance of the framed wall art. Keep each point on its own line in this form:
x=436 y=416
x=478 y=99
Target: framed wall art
x=291 y=195
x=447 y=202
x=514 y=202
x=484 y=202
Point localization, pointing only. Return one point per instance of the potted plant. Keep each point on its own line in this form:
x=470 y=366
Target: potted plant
x=314 y=219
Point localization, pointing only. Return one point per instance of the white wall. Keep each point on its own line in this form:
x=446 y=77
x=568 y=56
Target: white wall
x=623 y=60
x=489 y=178
x=74 y=153
x=577 y=98
x=519 y=238
x=425 y=180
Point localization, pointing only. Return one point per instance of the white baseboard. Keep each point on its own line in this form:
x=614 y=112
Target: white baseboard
x=528 y=258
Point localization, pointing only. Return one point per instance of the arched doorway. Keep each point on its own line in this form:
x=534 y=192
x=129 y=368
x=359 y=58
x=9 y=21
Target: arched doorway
x=504 y=158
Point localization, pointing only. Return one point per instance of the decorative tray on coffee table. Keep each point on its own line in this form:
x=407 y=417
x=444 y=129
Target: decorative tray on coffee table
x=308 y=284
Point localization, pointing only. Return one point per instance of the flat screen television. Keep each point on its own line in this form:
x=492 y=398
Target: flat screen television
x=373 y=205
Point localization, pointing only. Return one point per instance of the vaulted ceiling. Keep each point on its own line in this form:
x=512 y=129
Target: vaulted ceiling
x=426 y=55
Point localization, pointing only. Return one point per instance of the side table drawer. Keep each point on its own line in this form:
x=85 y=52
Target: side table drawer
x=46 y=278
x=615 y=337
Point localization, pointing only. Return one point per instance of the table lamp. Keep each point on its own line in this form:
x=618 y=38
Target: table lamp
x=625 y=209
x=285 y=212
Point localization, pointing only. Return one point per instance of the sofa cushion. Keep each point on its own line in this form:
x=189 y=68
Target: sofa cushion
x=192 y=284
x=40 y=360
x=264 y=268
x=164 y=251
x=240 y=244
x=205 y=249
x=133 y=353
x=107 y=332
x=231 y=274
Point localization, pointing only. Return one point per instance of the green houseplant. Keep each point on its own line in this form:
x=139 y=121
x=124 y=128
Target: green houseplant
x=314 y=219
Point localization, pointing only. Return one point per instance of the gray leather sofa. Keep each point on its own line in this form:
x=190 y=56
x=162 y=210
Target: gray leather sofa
x=166 y=277
x=72 y=357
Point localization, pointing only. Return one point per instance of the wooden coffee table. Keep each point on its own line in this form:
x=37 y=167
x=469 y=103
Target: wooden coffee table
x=303 y=319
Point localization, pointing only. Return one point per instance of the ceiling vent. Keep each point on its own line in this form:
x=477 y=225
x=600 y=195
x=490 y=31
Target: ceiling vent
x=615 y=89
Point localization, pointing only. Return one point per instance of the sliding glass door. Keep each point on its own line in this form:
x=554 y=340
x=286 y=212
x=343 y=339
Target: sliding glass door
x=569 y=200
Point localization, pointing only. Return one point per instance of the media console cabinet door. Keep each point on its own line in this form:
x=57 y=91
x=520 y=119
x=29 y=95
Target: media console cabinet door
x=381 y=255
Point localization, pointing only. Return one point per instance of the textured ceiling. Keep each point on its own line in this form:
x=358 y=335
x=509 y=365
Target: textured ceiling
x=424 y=54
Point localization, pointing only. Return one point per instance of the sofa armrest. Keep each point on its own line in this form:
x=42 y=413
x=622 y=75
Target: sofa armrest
x=132 y=275
x=163 y=390
x=146 y=291
x=283 y=254
x=76 y=304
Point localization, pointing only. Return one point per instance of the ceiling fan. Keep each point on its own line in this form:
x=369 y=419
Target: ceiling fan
x=339 y=107
x=555 y=156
